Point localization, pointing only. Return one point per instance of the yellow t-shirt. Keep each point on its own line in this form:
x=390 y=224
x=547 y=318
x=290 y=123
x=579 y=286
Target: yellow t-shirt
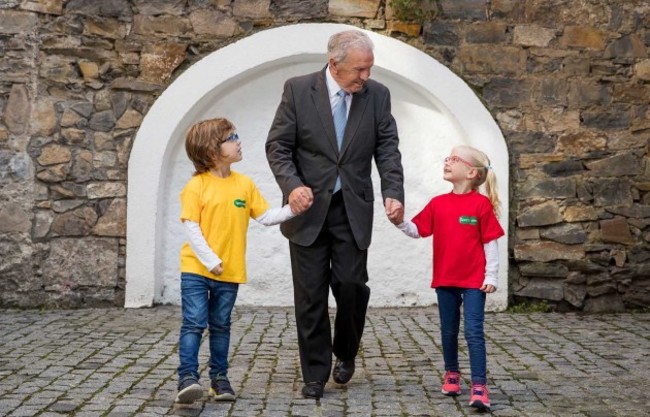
x=222 y=207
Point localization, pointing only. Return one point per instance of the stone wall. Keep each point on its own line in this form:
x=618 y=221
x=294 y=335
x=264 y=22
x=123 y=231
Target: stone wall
x=567 y=81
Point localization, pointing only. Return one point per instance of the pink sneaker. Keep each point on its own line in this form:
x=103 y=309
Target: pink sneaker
x=451 y=383
x=479 y=397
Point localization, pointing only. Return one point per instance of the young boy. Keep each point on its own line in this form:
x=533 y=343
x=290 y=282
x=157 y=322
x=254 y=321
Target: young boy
x=216 y=205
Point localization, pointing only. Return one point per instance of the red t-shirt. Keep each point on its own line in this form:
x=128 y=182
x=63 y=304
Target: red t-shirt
x=460 y=224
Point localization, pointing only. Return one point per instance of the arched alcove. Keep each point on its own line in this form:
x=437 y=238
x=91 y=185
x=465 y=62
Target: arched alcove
x=434 y=109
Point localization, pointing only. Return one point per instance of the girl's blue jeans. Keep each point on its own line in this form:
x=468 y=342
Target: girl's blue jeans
x=205 y=303
x=450 y=300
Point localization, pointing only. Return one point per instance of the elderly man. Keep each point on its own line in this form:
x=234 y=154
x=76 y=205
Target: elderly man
x=327 y=129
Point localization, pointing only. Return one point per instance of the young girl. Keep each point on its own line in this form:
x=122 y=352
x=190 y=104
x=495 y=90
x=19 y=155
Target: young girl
x=465 y=231
x=216 y=205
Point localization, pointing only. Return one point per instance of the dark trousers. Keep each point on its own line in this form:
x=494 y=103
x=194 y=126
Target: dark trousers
x=335 y=261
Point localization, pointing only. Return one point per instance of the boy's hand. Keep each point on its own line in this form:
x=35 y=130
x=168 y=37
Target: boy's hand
x=300 y=199
x=487 y=288
x=218 y=270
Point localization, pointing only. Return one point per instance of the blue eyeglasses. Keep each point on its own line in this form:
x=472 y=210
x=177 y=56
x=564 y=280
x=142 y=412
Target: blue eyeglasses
x=232 y=138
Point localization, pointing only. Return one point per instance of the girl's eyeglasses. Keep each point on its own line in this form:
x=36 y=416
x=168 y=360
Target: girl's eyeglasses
x=453 y=159
x=232 y=138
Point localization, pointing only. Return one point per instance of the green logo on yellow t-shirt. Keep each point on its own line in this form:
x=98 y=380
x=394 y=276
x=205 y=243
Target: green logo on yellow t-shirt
x=471 y=220
x=240 y=203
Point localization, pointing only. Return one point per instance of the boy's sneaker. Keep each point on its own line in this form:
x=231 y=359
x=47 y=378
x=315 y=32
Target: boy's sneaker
x=189 y=390
x=479 y=397
x=451 y=383
x=221 y=390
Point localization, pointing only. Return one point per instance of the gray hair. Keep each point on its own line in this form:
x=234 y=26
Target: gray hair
x=340 y=43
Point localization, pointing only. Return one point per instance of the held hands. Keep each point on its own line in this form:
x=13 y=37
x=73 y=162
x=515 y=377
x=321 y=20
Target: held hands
x=394 y=211
x=218 y=270
x=300 y=199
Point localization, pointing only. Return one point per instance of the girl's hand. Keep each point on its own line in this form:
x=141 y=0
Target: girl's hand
x=487 y=288
x=394 y=211
x=218 y=270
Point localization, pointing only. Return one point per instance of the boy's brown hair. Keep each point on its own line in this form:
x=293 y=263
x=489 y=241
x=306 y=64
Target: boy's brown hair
x=203 y=142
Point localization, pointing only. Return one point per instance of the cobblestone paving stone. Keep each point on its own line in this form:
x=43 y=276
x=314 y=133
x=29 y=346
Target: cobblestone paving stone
x=120 y=363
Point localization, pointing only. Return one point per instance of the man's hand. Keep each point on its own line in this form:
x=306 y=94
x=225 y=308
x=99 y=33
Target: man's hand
x=218 y=270
x=300 y=199
x=394 y=211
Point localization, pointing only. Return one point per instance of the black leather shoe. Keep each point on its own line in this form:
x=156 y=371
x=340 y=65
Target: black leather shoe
x=313 y=390
x=343 y=371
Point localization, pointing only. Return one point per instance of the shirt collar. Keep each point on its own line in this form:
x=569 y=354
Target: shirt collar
x=332 y=85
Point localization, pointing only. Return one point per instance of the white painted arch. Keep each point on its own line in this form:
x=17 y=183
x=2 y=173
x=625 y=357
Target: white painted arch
x=434 y=109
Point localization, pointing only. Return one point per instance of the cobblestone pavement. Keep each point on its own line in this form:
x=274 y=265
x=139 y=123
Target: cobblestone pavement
x=118 y=363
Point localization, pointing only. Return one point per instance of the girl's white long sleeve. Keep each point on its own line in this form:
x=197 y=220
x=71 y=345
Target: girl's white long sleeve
x=491 y=263
x=200 y=246
x=275 y=216
x=409 y=228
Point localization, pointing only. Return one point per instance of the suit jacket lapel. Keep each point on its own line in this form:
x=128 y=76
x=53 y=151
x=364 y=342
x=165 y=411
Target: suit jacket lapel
x=321 y=99
x=359 y=102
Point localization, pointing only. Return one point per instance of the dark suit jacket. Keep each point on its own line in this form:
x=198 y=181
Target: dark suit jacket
x=301 y=149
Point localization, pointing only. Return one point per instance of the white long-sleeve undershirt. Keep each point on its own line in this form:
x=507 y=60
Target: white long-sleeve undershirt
x=491 y=253
x=491 y=263
x=207 y=256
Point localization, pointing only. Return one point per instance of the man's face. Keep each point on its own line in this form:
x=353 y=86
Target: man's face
x=354 y=71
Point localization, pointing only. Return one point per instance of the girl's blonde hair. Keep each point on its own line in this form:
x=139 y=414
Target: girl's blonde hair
x=485 y=173
x=203 y=142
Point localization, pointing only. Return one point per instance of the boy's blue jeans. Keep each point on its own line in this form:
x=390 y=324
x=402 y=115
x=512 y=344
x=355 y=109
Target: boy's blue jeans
x=449 y=301
x=205 y=303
